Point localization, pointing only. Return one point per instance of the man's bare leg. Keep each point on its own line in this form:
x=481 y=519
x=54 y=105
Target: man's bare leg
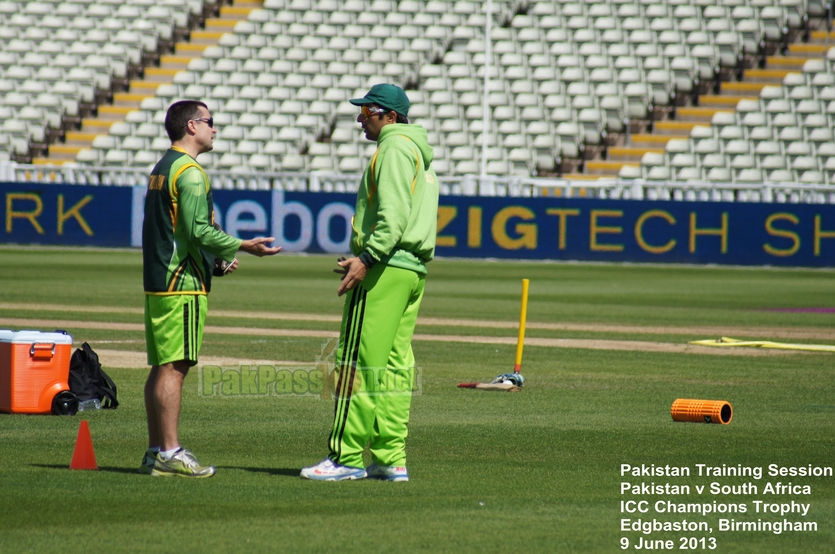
x=151 y=410
x=163 y=398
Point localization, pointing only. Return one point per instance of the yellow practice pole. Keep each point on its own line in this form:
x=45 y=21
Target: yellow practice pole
x=523 y=315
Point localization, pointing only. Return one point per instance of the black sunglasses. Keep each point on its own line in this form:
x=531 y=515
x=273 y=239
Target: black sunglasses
x=210 y=121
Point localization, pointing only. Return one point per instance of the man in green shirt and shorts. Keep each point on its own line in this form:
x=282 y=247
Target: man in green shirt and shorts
x=393 y=239
x=180 y=244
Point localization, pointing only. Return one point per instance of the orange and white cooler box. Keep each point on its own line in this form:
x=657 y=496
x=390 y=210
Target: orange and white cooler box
x=34 y=367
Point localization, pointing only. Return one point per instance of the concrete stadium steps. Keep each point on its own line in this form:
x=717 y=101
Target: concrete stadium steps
x=48 y=161
x=199 y=41
x=674 y=127
x=574 y=177
x=62 y=153
x=159 y=75
x=726 y=101
x=742 y=88
x=230 y=15
x=808 y=50
x=95 y=125
x=650 y=140
x=620 y=156
x=176 y=63
x=58 y=154
x=787 y=62
x=730 y=93
x=77 y=138
x=818 y=37
x=627 y=154
x=73 y=142
x=139 y=89
x=148 y=88
x=127 y=99
x=113 y=113
x=699 y=114
x=606 y=167
x=769 y=76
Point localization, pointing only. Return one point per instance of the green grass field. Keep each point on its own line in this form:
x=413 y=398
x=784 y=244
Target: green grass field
x=535 y=471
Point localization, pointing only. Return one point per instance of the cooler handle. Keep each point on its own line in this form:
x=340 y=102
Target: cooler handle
x=45 y=351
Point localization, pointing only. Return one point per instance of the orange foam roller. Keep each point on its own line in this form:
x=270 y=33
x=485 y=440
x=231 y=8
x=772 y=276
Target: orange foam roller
x=702 y=411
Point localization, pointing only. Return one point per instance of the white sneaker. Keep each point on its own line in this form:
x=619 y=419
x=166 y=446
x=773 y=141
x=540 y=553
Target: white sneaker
x=327 y=470
x=147 y=467
x=183 y=464
x=387 y=473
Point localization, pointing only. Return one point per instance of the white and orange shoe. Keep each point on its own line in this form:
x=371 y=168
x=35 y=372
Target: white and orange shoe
x=328 y=470
x=387 y=473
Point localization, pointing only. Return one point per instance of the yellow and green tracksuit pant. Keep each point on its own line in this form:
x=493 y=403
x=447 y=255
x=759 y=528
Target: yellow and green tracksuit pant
x=376 y=368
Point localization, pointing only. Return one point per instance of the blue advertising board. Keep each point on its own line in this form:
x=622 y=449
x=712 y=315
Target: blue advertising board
x=66 y=214
x=477 y=227
x=638 y=231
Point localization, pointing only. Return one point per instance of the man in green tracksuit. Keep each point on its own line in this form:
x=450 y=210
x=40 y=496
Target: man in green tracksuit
x=179 y=247
x=393 y=239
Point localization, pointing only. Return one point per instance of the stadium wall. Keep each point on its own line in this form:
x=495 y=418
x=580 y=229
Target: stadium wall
x=468 y=226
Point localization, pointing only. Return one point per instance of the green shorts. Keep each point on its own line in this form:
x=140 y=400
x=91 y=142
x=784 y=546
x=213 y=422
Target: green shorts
x=174 y=327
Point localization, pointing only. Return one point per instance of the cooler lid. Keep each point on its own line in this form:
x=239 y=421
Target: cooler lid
x=29 y=337
x=6 y=335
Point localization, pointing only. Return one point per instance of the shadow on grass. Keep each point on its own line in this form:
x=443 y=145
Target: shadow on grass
x=287 y=472
x=129 y=470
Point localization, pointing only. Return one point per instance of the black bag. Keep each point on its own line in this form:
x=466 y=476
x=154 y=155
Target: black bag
x=88 y=381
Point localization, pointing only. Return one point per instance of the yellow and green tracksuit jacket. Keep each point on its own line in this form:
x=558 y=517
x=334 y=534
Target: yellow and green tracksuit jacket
x=396 y=214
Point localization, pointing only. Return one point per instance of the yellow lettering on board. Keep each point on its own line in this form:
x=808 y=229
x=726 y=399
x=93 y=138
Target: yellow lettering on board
x=722 y=232
x=75 y=212
x=639 y=232
x=526 y=231
x=32 y=215
x=821 y=235
x=474 y=227
x=595 y=229
x=445 y=216
x=562 y=223
x=784 y=233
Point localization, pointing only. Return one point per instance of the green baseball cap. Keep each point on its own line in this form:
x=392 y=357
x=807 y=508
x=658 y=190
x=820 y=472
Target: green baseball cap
x=386 y=96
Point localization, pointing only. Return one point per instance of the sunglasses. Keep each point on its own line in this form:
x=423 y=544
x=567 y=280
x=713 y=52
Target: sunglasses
x=210 y=121
x=368 y=112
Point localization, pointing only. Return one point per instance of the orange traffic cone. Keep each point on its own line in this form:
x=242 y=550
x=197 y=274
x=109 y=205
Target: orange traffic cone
x=83 y=457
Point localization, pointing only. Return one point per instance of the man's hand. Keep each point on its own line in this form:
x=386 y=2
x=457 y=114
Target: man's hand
x=353 y=271
x=222 y=267
x=258 y=247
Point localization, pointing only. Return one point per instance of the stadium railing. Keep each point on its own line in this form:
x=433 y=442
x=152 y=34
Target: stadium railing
x=466 y=185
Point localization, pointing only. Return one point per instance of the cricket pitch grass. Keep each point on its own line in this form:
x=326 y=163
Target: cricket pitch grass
x=537 y=471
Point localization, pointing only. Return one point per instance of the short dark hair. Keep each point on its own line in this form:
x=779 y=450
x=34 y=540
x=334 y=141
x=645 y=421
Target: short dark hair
x=178 y=116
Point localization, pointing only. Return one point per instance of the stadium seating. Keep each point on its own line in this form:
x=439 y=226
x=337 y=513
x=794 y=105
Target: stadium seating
x=60 y=59
x=666 y=90
x=784 y=135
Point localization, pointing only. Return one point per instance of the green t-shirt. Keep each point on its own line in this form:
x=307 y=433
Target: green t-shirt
x=179 y=242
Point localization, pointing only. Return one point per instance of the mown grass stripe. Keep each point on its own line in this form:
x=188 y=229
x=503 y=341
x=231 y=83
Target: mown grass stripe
x=782 y=332
x=590 y=344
